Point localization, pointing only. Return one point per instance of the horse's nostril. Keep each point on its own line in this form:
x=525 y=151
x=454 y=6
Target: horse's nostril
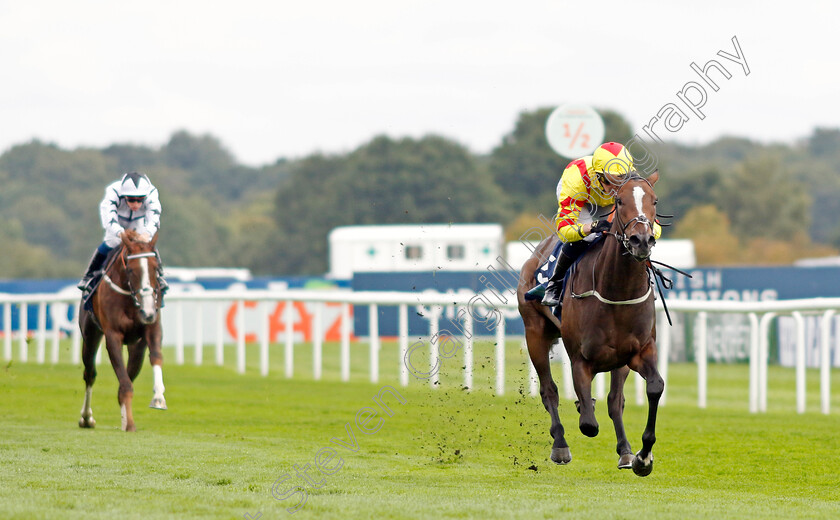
x=635 y=241
x=651 y=241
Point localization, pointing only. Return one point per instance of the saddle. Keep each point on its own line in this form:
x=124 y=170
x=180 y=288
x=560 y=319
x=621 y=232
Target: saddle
x=543 y=274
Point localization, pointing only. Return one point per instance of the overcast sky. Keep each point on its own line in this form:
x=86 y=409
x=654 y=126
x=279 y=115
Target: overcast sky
x=285 y=78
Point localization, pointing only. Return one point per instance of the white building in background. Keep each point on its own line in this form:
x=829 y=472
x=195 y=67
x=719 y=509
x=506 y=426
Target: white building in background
x=677 y=253
x=414 y=247
x=191 y=274
x=826 y=261
x=448 y=247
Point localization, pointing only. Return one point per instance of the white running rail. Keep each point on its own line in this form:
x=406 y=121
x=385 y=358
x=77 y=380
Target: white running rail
x=759 y=313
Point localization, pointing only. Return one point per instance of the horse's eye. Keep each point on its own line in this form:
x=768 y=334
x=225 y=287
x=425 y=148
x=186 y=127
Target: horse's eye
x=655 y=202
x=618 y=202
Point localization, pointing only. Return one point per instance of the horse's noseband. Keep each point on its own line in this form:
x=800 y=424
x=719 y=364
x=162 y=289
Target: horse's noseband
x=142 y=292
x=622 y=237
x=640 y=219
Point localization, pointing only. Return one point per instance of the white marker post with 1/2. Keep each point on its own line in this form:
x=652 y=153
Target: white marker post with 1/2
x=574 y=130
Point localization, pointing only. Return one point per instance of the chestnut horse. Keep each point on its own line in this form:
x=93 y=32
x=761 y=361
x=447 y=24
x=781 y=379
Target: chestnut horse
x=608 y=321
x=126 y=311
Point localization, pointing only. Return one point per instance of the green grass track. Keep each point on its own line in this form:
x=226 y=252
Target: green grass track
x=445 y=453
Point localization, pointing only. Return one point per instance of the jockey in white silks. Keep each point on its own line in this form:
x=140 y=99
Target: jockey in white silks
x=129 y=203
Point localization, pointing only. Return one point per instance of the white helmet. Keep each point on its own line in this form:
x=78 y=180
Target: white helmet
x=135 y=185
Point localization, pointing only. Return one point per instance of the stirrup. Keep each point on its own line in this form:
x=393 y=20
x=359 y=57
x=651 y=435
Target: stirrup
x=84 y=284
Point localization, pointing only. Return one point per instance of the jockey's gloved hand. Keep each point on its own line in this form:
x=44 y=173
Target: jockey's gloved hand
x=600 y=226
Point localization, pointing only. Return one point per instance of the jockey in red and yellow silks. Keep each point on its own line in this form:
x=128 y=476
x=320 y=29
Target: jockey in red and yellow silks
x=580 y=186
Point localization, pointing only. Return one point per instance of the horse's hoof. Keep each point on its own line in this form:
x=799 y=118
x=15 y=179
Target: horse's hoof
x=158 y=403
x=641 y=467
x=561 y=455
x=625 y=461
x=590 y=430
x=86 y=423
x=130 y=428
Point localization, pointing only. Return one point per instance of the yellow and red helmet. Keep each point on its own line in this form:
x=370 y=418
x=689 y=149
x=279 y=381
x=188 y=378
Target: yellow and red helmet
x=612 y=158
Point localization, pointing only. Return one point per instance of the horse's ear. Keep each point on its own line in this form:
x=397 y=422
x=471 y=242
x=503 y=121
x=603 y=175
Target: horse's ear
x=124 y=238
x=653 y=177
x=154 y=240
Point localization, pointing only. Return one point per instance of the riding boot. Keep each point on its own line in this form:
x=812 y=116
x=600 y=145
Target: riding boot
x=95 y=265
x=161 y=280
x=552 y=289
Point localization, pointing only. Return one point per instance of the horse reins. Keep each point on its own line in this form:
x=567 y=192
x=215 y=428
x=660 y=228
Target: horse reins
x=649 y=267
x=639 y=219
x=131 y=292
x=624 y=241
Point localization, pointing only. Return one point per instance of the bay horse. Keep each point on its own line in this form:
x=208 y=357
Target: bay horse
x=126 y=311
x=608 y=321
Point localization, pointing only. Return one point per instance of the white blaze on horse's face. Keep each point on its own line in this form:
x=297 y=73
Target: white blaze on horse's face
x=147 y=294
x=636 y=225
x=638 y=196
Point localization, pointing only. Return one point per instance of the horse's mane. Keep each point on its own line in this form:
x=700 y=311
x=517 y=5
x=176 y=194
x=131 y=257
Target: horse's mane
x=133 y=236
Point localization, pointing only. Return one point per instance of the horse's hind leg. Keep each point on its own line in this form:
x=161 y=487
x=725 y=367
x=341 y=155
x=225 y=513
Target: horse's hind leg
x=615 y=406
x=113 y=342
x=538 y=349
x=645 y=364
x=91 y=337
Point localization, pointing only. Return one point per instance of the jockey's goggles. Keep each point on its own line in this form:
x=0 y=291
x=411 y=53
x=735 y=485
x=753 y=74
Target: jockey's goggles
x=135 y=199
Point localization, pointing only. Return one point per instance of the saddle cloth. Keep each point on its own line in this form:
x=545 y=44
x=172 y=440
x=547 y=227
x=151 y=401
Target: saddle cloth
x=543 y=274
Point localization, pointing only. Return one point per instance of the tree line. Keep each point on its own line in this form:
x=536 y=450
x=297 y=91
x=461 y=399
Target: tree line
x=741 y=201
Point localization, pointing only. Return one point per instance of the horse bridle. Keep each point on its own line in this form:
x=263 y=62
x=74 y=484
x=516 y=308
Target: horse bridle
x=131 y=292
x=622 y=238
x=653 y=272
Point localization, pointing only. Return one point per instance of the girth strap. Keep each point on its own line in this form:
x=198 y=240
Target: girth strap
x=598 y=296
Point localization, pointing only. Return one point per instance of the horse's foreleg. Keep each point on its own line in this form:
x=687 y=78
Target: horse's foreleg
x=645 y=364
x=90 y=344
x=538 y=349
x=158 y=401
x=135 y=358
x=125 y=394
x=86 y=420
x=615 y=406
x=582 y=375
x=156 y=359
